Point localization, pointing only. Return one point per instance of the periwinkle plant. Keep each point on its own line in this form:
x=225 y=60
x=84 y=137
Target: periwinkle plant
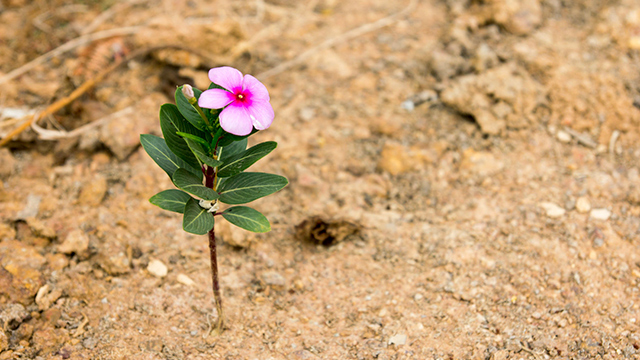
x=204 y=152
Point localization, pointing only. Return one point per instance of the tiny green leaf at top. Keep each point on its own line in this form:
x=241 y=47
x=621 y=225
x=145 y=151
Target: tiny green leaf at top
x=204 y=153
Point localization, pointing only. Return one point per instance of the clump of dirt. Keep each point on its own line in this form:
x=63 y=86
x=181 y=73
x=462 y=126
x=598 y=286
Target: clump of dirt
x=502 y=97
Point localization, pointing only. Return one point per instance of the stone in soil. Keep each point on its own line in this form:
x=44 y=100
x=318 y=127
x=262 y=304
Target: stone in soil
x=157 y=268
x=397 y=159
x=46 y=296
x=12 y=315
x=49 y=339
x=40 y=228
x=7 y=163
x=480 y=163
x=20 y=271
x=4 y=342
x=398 y=339
x=491 y=98
x=235 y=236
x=185 y=280
x=76 y=242
x=112 y=258
x=552 y=210
x=273 y=279
x=93 y=191
x=122 y=135
x=600 y=214
x=583 y=205
x=31 y=207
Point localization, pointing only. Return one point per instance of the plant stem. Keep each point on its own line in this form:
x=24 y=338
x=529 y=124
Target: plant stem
x=214 y=278
x=210 y=182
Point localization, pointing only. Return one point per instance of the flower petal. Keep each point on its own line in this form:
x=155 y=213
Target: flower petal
x=256 y=89
x=215 y=99
x=261 y=114
x=235 y=119
x=227 y=77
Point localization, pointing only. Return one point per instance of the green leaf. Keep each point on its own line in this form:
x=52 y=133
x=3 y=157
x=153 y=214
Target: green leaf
x=201 y=155
x=171 y=121
x=193 y=137
x=232 y=148
x=160 y=153
x=246 y=187
x=193 y=185
x=196 y=220
x=247 y=218
x=172 y=200
x=189 y=111
x=239 y=162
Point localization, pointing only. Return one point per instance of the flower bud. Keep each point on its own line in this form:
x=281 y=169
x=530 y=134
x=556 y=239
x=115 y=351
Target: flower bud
x=187 y=91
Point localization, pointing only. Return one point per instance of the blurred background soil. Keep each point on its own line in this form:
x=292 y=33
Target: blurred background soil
x=465 y=182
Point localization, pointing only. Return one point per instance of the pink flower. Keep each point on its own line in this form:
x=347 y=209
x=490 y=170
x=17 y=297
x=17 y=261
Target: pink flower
x=245 y=101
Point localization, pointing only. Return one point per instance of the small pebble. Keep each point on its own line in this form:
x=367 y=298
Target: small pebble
x=185 y=280
x=157 y=268
x=600 y=214
x=583 y=205
x=418 y=297
x=398 y=339
x=563 y=136
x=552 y=210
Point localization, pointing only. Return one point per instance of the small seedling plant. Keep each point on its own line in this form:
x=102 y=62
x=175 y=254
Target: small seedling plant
x=204 y=152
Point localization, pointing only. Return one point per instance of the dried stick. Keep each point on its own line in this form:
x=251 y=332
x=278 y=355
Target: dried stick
x=88 y=85
x=361 y=30
x=46 y=134
x=79 y=41
x=105 y=15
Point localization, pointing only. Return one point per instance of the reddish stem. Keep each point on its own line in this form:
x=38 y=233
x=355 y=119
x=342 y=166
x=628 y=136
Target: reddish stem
x=214 y=278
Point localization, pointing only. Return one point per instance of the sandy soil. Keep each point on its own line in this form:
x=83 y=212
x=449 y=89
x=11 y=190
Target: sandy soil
x=476 y=164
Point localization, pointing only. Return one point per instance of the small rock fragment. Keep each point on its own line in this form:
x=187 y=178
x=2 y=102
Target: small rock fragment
x=185 y=280
x=398 y=339
x=480 y=163
x=500 y=355
x=94 y=191
x=563 y=136
x=121 y=134
x=235 y=236
x=113 y=259
x=31 y=207
x=7 y=163
x=76 y=242
x=4 y=342
x=583 y=205
x=46 y=296
x=56 y=261
x=7 y=232
x=397 y=159
x=157 y=268
x=49 y=339
x=273 y=279
x=552 y=210
x=12 y=316
x=600 y=214
x=90 y=343
x=39 y=228
x=20 y=271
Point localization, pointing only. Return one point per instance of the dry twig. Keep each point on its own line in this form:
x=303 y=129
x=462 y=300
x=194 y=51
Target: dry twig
x=88 y=85
x=46 y=134
x=361 y=30
x=105 y=15
x=79 y=41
